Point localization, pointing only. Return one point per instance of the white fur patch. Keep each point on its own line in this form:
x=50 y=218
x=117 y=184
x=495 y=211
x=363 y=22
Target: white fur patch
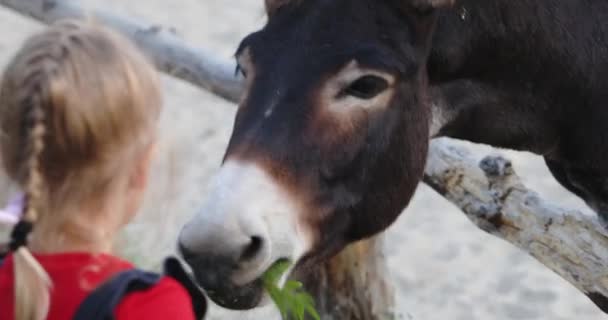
x=440 y=114
x=245 y=201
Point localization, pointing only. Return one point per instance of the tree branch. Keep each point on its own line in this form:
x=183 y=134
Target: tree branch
x=572 y=244
x=170 y=54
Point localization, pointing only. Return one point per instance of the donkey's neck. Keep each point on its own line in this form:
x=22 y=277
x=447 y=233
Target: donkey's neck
x=476 y=34
x=502 y=71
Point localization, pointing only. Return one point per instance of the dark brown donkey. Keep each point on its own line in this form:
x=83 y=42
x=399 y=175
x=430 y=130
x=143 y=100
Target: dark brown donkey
x=342 y=96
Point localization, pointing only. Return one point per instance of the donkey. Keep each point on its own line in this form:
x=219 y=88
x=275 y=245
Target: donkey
x=343 y=96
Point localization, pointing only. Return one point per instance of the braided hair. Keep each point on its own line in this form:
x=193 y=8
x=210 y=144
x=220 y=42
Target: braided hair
x=31 y=280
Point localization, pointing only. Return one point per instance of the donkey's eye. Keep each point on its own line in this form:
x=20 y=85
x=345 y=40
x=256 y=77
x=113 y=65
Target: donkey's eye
x=366 y=87
x=240 y=70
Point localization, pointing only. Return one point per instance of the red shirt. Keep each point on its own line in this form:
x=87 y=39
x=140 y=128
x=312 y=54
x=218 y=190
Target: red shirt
x=74 y=275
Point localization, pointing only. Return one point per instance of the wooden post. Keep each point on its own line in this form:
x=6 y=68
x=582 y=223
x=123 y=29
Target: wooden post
x=489 y=192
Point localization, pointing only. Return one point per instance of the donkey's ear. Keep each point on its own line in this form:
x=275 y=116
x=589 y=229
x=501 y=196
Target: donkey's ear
x=433 y=3
x=424 y=18
x=429 y=5
x=273 y=5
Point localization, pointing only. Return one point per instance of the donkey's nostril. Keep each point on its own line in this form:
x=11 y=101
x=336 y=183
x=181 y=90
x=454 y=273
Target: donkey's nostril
x=252 y=249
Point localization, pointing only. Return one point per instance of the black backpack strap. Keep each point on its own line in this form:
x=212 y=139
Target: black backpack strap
x=3 y=253
x=174 y=269
x=102 y=302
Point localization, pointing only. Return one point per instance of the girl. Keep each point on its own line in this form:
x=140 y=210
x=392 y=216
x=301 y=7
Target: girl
x=78 y=114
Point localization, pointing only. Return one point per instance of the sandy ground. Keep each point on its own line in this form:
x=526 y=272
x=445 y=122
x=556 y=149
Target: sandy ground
x=444 y=267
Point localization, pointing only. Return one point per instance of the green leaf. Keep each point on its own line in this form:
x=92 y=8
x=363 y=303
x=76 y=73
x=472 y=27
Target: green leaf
x=291 y=300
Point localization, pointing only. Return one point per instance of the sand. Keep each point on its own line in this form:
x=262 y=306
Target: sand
x=443 y=266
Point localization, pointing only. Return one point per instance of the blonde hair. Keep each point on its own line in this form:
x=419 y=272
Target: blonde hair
x=77 y=102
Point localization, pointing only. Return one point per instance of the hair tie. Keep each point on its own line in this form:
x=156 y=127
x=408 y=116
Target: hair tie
x=19 y=235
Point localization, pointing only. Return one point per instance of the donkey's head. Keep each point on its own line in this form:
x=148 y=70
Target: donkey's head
x=329 y=142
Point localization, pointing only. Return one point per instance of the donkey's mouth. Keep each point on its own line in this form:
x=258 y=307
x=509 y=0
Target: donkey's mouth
x=225 y=293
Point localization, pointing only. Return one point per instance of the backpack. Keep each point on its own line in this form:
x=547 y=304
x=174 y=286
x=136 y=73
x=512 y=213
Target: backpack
x=101 y=302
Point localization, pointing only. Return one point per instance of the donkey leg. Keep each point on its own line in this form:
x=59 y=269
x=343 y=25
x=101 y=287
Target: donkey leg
x=590 y=185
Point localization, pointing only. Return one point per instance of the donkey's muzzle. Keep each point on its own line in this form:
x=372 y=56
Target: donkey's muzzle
x=248 y=222
x=214 y=273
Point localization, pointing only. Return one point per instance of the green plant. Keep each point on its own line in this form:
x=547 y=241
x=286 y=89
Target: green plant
x=291 y=300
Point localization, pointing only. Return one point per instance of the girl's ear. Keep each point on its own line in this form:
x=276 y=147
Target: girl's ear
x=137 y=184
x=140 y=175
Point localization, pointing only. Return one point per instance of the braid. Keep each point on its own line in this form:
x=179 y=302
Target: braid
x=32 y=283
x=43 y=59
x=34 y=131
x=36 y=140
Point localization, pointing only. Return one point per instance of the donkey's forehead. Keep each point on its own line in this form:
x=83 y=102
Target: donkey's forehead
x=330 y=34
x=324 y=59
x=320 y=64
x=318 y=21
